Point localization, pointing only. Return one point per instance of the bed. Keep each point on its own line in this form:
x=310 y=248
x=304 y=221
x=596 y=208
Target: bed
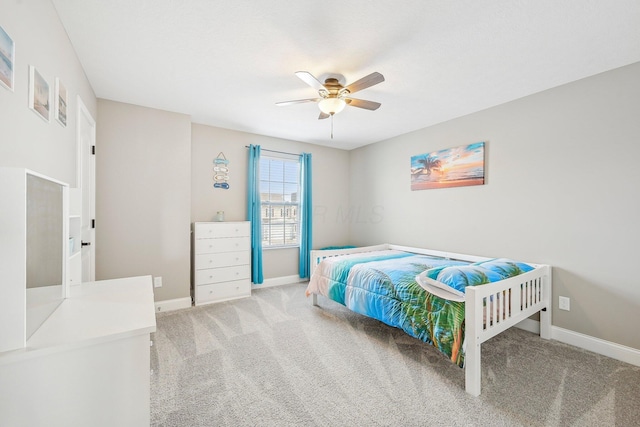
x=411 y=289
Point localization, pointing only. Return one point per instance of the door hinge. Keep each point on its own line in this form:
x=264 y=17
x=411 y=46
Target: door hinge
x=93 y=223
x=93 y=150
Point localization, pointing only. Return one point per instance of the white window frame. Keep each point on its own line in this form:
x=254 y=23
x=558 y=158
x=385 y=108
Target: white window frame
x=277 y=208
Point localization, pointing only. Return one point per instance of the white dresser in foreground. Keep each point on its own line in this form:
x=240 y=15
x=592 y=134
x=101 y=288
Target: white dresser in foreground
x=88 y=364
x=221 y=261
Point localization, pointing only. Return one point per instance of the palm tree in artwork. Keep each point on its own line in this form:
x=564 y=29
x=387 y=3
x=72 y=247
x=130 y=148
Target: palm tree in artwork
x=428 y=164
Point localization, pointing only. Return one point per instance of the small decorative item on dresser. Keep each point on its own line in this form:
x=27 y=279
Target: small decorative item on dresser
x=220 y=216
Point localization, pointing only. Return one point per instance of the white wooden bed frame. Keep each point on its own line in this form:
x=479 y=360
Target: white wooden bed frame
x=526 y=293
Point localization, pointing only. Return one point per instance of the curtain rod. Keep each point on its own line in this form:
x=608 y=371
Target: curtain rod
x=274 y=151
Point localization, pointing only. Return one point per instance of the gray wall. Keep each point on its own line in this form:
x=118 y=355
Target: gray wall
x=330 y=169
x=28 y=141
x=562 y=188
x=154 y=177
x=143 y=196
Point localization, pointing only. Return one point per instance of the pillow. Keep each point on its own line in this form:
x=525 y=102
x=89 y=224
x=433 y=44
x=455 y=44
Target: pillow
x=455 y=279
x=505 y=267
x=425 y=283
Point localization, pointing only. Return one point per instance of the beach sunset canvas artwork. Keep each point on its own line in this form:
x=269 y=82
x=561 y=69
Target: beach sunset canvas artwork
x=452 y=167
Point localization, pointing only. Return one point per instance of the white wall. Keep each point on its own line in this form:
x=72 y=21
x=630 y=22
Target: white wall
x=143 y=196
x=330 y=168
x=562 y=188
x=27 y=141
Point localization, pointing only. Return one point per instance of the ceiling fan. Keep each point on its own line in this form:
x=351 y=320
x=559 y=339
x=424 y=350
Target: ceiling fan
x=333 y=96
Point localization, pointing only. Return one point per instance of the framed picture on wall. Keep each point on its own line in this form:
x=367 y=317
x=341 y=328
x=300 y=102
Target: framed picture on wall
x=39 y=94
x=60 y=103
x=451 y=167
x=7 y=58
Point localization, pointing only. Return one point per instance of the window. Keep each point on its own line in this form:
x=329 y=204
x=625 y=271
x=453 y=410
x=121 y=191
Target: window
x=279 y=196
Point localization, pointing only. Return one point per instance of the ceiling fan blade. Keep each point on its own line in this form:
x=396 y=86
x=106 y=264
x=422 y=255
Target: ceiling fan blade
x=323 y=116
x=361 y=103
x=365 y=82
x=297 y=101
x=309 y=79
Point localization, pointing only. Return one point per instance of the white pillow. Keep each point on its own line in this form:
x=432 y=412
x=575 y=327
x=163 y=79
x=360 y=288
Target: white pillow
x=438 y=289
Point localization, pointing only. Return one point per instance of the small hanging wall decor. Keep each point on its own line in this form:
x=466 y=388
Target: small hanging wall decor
x=221 y=172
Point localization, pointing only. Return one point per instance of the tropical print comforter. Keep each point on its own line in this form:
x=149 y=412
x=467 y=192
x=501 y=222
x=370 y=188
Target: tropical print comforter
x=382 y=285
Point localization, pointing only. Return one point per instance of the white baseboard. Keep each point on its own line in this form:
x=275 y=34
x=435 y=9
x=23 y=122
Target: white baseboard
x=586 y=342
x=278 y=281
x=596 y=345
x=179 y=303
x=172 y=304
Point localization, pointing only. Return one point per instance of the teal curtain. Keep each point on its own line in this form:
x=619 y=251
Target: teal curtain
x=253 y=214
x=306 y=220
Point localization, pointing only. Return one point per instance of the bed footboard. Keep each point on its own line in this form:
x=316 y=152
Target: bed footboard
x=495 y=307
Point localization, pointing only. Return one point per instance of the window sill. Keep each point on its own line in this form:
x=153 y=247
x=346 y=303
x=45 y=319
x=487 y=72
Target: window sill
x=269 y=248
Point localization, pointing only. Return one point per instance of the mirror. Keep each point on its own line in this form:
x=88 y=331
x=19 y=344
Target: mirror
x=45 y=249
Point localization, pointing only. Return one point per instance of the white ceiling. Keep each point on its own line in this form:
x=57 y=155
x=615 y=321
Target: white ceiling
x=226 y=63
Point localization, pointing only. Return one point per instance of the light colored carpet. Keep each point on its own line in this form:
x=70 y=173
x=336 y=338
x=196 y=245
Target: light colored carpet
x=275 y=360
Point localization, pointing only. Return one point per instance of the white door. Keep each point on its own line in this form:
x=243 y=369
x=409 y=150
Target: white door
x=86 y=147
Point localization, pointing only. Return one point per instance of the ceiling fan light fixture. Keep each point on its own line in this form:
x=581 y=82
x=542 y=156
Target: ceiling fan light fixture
x=332 y=106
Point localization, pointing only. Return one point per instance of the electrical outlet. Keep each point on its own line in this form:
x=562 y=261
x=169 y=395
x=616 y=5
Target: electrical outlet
x=564 y=303
x=157 y=282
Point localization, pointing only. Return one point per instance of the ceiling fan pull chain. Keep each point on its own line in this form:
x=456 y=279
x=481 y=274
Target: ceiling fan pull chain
x=332 y=126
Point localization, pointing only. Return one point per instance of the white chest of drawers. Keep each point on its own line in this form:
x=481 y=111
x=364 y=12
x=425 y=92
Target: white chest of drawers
x=221 y=261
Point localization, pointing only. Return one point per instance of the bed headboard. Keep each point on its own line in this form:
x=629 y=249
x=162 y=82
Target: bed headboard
x=441 y=254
